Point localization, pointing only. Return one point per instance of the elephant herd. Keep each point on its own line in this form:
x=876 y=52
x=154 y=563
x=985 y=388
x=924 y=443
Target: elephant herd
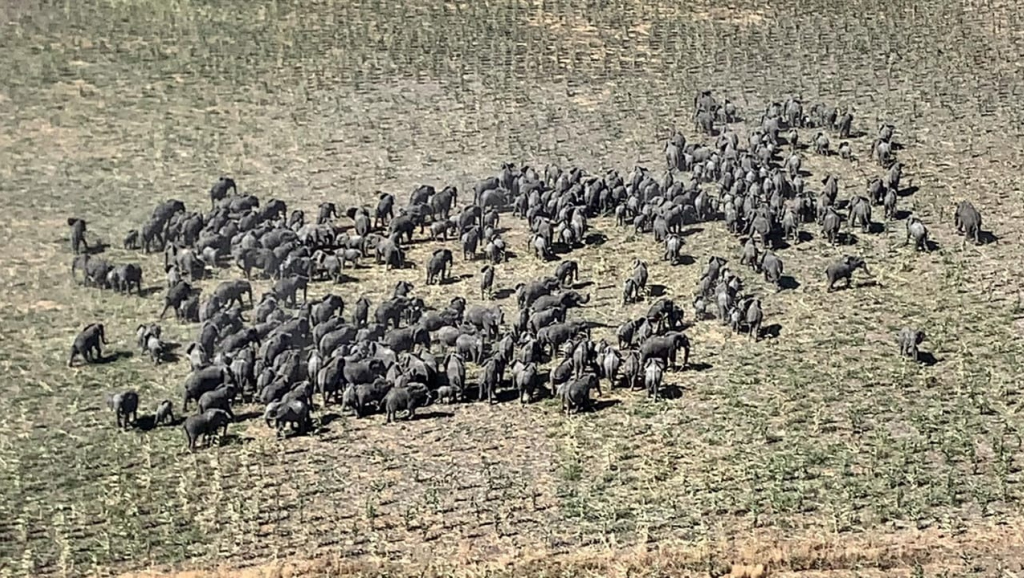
x=393 y=353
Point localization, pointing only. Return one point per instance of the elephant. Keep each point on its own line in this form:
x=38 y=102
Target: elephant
x=442 y=229
x=296 y=412
x=126 y=407
x=527 y=293
x=845 y=152
x=496 y=251
x=131 y=240
x=541 y=248
x=654 y=372
x=359 y=397
x=258 y=258
x=640 y=276
x=552 y=337
x=821 y=144
x=754 y=318
x=326 y=212
x=439 y=265
x=525 y=378
x=876 y=190
x=286 y=290
x=545 y=317
x=443 y=201
x=220 y=189
x=78 y=243
x=909 y=339
x=673 y=246
x=490 y=379
x=470 y=240
x=630 y=292
x=164 y=412
x=486 y=319
x=219 y=398
x=406 y=338
x=365 y=371
x=576 y=394
x=231 y=291
x=830 y=225
x=664 y=313
x=455 y=371
x=567 y=300
x=843 y=269
x=627 y=331
x=124 y=277
x=567 y=273
x=470 y=347
x=860 y=214
x=203 y=380
x=890 y=204
x=844 y=124
x=917 y=231
x=406 y=398
x=390 y=254
x=665 y=347
x=749 y=256
x=87 y=344
x=94 y=271
x=205 y=425
x=772 y=267
x=892 y=178
x=968 y=221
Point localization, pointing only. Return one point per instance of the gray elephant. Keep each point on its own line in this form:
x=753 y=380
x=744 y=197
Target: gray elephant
x=408 y=398
x=821 y=144
x=666 y=347
x=843 y=269
x=845 y=152
x=576 y=394
x=220 y=189
x=653 y=375
x=831 y=223
x=233 y=291
x=87 y=344
x=918 y=232
x=754 y=318
x=294 y=412
x=968 y=221
x=203 y=380
x=749 y=255
x=889 y=202
x=78 y=243
x=487 y=282
x=566 y=300
x=909 y=339
x=470 y=347
x=771 y=266
x=205 y=425
x=673 y=249
x=860 y=214
x=126 y=407
x=164 y=413
x=486 y=319
x=220 y=398
x=439 y=266
x=286 y=290
x=525 y=377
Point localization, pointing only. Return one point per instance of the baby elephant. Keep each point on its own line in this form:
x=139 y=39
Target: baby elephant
x=87 y=344
x=125 y=406
x=908 y=340
x=843 y=269
x=205 y=425
x=164 y=412
x=447 y=394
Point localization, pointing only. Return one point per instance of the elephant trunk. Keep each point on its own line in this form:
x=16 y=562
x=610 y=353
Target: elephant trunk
x=586 y=298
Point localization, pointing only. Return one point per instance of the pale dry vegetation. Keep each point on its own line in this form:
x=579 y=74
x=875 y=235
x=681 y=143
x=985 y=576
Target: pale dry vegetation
x=818 y=450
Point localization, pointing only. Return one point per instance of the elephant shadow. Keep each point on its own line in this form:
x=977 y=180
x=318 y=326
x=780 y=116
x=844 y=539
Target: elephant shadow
x=453 y=279
x=876 y=228
x=504 y=293
x=901 y=214
x=509 y=254
x=96 y=248
x=926 y=358
x=847 y=238
x=692 y=231
x=931 y=245
x=112 y=357
x=699 y=366
x=582 y=285
x=804 y=236
x=148 y=422
x=907 y=191
x=149 y=291
x=602 y=404
x=686 y=260
x=248 y=415
x=596 y=239
x=432 y=414
x=987 y=237
x=788 y=282
x=771 y=331
x=656 y=290
x=779 y=244
x=670 y=391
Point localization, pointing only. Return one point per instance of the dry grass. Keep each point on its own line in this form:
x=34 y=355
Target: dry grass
x=817 y=450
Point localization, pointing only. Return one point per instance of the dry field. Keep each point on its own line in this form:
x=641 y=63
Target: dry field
x=815 y=451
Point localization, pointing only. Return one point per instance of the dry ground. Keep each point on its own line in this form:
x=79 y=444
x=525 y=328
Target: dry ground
x=815 y=451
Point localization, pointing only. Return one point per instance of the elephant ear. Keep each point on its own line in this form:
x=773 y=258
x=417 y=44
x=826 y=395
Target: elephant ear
x=71 y=221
